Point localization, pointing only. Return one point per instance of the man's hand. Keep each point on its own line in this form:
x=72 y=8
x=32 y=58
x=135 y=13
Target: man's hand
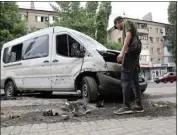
x=119 y=57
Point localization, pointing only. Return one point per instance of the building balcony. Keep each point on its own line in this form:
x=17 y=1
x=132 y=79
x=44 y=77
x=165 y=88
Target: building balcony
x=143 y=30
x=145 y=42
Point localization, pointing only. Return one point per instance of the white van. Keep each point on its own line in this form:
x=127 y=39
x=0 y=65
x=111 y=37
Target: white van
x=58 y=59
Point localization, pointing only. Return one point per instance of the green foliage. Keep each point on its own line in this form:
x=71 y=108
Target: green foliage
x=113 y=46
x=84 y=19
x=11 y=25
x=102 y=21
x=72 y=15
x=172 y=32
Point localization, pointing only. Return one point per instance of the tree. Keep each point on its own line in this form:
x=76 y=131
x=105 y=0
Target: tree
x=102 y=21
x=84 y=19
x=114 y=46
x=91 y=10
x=72 y=15
x=11 y=25
x=172 y=36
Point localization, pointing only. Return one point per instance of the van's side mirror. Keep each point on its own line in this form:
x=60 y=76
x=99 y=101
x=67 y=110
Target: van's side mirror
x=77 y=50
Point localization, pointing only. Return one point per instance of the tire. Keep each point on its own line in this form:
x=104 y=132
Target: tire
x=157 y=82
x=10 y=89
x=46 y=93
x=89 y=89
x=143 y=90
x=165 y=81
x=171 y=81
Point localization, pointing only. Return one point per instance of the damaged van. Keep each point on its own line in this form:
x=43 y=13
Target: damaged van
x=62 y=60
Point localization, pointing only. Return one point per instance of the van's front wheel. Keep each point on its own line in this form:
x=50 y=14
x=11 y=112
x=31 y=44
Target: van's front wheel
x=89 y=89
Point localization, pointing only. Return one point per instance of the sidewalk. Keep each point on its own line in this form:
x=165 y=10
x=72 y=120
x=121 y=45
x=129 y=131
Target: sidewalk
x=131 y=126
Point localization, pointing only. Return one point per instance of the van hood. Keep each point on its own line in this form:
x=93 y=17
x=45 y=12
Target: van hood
x=109 y=55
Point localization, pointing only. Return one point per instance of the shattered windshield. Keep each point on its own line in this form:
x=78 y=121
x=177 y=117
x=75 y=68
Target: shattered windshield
x=90 y=42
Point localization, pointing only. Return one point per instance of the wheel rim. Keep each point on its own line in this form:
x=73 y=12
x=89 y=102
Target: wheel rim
x=9 y=91
x=85 y=90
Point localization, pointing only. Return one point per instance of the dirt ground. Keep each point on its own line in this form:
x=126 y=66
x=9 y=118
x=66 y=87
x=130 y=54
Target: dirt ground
x=29 y=108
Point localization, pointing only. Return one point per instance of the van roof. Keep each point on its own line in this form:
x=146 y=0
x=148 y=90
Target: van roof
x=37 y=33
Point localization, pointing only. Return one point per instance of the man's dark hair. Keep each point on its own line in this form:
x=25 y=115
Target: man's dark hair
x=118 y=19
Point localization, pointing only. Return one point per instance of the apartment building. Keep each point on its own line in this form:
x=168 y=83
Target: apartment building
x=37 y=19
x=155 y=58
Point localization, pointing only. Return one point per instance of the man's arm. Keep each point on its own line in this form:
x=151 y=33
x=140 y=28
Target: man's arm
x=126 y=42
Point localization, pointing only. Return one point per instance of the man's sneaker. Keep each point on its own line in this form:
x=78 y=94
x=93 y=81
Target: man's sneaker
x=138 y=109
x=123 y=110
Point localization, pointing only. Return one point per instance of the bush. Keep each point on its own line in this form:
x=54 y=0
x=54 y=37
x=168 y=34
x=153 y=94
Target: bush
x=113 y=46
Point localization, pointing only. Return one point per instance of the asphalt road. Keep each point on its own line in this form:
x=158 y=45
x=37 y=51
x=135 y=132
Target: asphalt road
x=161 y=85
x=161 y=92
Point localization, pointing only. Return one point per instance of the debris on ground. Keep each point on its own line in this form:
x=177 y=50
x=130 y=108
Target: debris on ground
x=50 y=113
x=14 y=117
x=77 y=108
x=64 y=117
x=100 y=104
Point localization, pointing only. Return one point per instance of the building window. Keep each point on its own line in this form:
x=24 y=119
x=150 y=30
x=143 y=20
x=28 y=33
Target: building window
x=36 y=18
x=152 y=59
x=157 y=30
x=53 y=18
x=159 y=60
x=151 y=50
x=158 y=50
x=42 y=19
x=157 y=39
x=46 y=19
x=150 y=29
x=168 y=49
x=170 y=59
x=146 y=47
x=151 y=39
x=161 y=31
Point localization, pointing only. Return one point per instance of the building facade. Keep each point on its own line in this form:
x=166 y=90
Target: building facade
x=155 y=57
x=37 y=19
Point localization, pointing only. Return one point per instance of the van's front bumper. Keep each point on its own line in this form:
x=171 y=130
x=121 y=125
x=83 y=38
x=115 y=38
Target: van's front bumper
x=108 y=84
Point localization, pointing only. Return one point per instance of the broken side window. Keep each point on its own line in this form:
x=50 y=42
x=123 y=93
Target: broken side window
x=67 y=46
x=36 y=48
x=16 y=53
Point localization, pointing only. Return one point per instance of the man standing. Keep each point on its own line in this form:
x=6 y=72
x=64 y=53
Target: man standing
x=129 y=70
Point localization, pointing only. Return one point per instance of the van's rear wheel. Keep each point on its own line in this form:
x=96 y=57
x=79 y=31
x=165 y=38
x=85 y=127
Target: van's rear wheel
x=46 y=93
x=89 y=89
x=10 y=90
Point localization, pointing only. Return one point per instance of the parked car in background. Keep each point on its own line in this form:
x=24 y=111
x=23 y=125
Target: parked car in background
x=169 y=77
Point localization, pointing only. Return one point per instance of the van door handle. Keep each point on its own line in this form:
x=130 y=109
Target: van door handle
x=55 y=60
x=46 y=61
